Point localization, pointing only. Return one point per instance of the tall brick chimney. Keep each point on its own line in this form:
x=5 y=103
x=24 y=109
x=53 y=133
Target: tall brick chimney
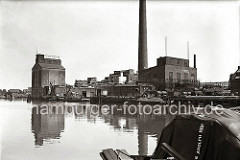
x=142 y=38
x=194 y=61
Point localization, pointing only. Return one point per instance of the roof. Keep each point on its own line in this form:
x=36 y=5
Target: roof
x=174 y=58
x=49 y=66
x=235 y=75
x=14 y=90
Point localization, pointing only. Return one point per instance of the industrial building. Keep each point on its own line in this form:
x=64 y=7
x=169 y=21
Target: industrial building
x=47 y=72
x=169 y=73
x=121 y=77
x=84 y=92
x=80 y=83
x=131 y=76
x=91 y=81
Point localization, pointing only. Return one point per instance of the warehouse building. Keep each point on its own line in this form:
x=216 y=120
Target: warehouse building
x=47 y=72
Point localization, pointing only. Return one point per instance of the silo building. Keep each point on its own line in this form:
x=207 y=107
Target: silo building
x=47 y=71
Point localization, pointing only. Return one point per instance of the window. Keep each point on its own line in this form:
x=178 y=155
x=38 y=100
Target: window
x=192 y=77
x=185 y=76
x=178 y=77
x=170 y=76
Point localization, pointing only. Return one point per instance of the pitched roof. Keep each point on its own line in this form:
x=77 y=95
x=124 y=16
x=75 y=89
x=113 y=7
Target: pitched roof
x=235 y=75
x=48 y=66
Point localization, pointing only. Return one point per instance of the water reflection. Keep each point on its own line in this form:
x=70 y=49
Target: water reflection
x=49 y=126
x=46 y=126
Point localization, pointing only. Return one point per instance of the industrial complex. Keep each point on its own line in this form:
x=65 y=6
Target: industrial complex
x=171 y=76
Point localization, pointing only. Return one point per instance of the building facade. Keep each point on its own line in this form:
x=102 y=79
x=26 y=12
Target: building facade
x=92 y=81
x=169 y=73
x=85 y=92
x=121 y=77
x=131 y=76
x=80 y=83
x=47 y=71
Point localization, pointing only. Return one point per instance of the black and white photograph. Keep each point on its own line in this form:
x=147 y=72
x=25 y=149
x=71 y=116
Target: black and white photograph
x=119 y=80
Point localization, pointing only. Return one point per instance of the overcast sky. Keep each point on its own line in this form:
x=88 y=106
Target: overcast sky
x=94 y=38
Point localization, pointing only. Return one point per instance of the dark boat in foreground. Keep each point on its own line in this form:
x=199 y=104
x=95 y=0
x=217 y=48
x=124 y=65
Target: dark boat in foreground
x=199 y=136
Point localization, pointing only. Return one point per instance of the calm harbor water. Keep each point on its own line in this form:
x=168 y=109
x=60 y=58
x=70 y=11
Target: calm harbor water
x=26 y=135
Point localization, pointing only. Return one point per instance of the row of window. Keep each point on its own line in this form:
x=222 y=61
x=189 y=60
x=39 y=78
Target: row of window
x=179 y=76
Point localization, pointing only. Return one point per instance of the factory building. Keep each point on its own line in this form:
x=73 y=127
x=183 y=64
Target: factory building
x=121 y=77
x=115 y=77
x=234 y=82
x=47 y=72
x=131 y=76
x=169 y=73
x=92 y=81
x=84 y=92
x=80 y=83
